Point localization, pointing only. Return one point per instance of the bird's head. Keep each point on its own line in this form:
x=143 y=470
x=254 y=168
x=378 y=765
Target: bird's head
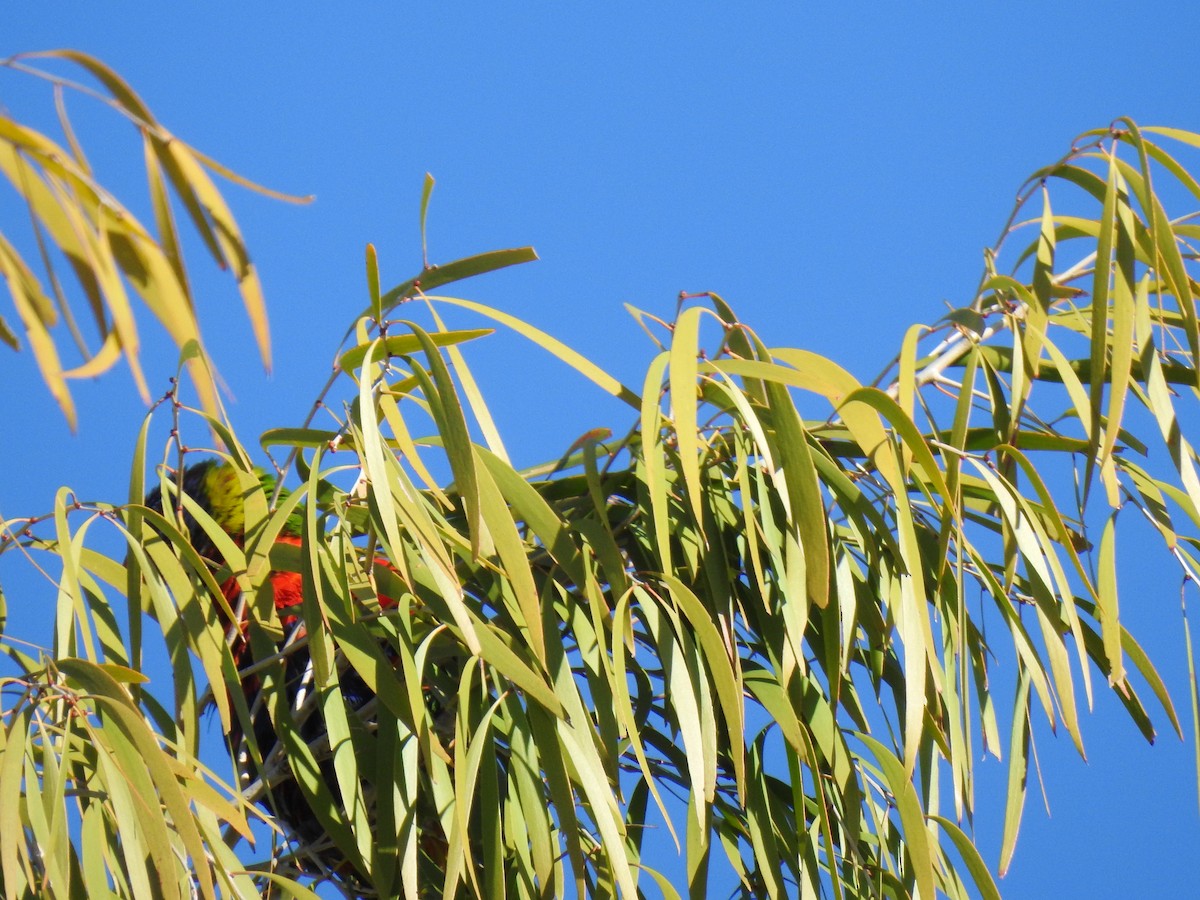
x=216 y=488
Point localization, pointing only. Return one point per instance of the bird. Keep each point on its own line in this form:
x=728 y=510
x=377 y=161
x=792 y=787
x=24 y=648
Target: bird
x=215 y=485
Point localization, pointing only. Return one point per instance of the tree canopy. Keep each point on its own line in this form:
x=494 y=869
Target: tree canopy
x=777 y=613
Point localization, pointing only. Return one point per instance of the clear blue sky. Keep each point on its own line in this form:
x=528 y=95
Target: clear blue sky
x=833 y=172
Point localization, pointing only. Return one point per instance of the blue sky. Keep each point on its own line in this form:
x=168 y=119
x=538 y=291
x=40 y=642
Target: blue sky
x=833 y=172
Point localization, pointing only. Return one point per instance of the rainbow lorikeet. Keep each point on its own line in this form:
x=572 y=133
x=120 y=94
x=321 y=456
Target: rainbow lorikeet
x=216 y=488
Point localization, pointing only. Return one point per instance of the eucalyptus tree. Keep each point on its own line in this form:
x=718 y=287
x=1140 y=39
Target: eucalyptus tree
x=775 y=615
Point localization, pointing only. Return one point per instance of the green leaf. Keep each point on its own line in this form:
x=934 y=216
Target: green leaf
x=683 y=369
x=553 y=346
x=373 y=285
x=406 y=345
x=912 y=816
x=437 y=276
x=975 y=864
x=426 y=193
x=1018 y=768
x=1106 y=597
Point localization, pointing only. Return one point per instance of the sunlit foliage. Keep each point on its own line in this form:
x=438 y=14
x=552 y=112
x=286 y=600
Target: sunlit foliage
x=777 y=615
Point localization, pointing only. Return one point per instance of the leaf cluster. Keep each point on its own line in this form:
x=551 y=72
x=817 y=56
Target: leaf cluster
x=74 y=218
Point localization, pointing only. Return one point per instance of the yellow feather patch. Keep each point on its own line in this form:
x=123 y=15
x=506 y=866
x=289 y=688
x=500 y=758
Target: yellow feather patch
x=225 y=498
